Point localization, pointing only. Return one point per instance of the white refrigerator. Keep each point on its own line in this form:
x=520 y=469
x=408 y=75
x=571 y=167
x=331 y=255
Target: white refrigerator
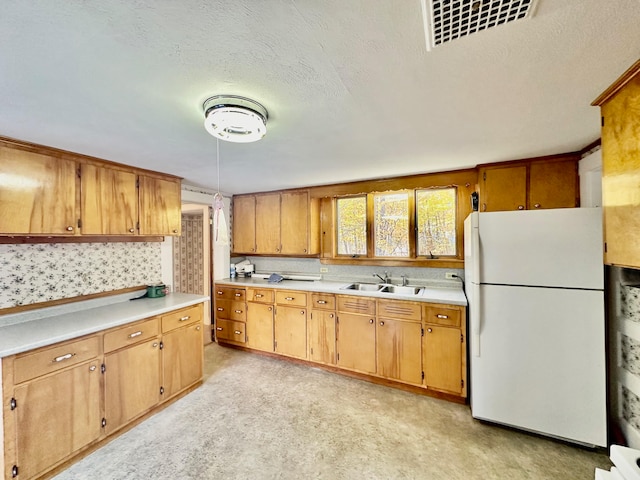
x=535 y=285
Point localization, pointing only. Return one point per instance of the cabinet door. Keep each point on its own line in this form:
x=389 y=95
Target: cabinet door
x=38 y=194
x=503 y=188
x=56 y=416
x=182 y=359
x=260 y=326
x=553 y=184
x=620 y=167
x=290 y=331
x=268 y=223
x=160 y=208
x=109 y=204
x=442 y=358
x=399 y=347
x=244 y=224
x=131 y=382
x=294 y=223
x=322 y=337
x=356 y=342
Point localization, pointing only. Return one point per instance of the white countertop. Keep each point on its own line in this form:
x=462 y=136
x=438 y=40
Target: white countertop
x=452 y=295
x=39 y=332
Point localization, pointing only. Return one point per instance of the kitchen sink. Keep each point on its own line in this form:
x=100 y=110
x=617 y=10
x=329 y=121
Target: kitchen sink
x=401 y=290
x=365 y=287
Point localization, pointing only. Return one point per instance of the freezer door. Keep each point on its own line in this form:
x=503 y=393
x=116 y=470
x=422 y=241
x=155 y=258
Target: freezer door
x=542 y=361
x=557 y=247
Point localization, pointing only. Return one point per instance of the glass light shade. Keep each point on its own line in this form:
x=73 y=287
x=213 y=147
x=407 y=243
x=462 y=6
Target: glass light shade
x=235 y=119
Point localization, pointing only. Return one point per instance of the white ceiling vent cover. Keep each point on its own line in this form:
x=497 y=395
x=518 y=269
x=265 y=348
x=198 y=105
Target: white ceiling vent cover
x=446 y=20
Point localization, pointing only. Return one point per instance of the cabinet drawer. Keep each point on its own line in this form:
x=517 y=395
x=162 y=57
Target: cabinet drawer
x=181 y=317
x=398 y=309
x=349 y=304
x=260 y=295
x=298 y=299
x=442 y=315
x=231 y=310
x=229 y=293
x=323 y=301
x=131 y=334
x=230 y=330
x=57 y=357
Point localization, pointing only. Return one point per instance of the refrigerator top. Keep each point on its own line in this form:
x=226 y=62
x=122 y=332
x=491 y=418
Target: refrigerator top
x=544 y=248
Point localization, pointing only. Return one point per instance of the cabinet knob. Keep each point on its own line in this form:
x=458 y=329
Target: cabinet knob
x=322 y=302
x=135 y=334
x=382 y=324
x=185 y=318
x=237 y=332
x=219 y=292
x=288 y=298
x=442 y=316
x=131 y=230
x=238 y=294
x=219 y=329
x=301 y=312
x=238 y=311
x=220 y=309
x=259 y=295
x=305 y=250
x=520 y=207
x=371 y=320
x=175 y=231
x=537 y=205
x=155 y=344
x=429 y=330
x=92 y=368
x=69 y=228
x=198 y=328
x=331 y=315
x=270 y=308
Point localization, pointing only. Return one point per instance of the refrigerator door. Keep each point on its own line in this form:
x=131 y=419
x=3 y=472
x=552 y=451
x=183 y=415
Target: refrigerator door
x=542 y=363
x=553 y=248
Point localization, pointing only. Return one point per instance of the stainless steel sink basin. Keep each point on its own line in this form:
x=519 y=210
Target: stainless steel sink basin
x=401 y=290
x=365 y=287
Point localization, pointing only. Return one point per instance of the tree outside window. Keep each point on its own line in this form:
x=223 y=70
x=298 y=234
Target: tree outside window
x=352 y=225
x=391 y=224
x=436 y=222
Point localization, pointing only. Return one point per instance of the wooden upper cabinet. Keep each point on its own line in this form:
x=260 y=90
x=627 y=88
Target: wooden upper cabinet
x=503 y=188
x=553 y=184
x=244 y=224
x=37 y=193
x=279 y=223
x=268 y=223
x=620 y=108
x=550 y=182
x=160 y=208
x=109 y=201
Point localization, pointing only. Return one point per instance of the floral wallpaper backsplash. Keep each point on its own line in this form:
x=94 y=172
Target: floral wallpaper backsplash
x=41 y=272
x=631 y=408
x=630 y=302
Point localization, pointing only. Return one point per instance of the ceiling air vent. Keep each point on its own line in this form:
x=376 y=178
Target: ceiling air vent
x=446 y=20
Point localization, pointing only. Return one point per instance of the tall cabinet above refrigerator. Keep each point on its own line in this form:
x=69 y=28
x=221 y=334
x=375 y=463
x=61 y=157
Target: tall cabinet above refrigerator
x=535 y=284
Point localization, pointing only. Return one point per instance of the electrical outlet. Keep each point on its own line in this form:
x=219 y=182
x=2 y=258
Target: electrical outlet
x=450 y=275
x=324 y=269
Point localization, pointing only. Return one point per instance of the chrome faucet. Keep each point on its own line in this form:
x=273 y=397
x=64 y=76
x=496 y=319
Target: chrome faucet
x=405 y=280
x=386 y=278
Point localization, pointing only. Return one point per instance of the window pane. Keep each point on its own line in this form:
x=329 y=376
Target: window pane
x=352 y=225
x=391 y=224
x=436 y=221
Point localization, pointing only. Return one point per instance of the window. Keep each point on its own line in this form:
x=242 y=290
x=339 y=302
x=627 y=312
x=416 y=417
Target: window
x=436 y=222
x=391 y=224
x=351 y=226
x=396 y=225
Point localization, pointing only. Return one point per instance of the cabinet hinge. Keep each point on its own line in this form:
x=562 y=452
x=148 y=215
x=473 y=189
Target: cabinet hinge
x=161 y=390
x=14 y=471
x=338 y=356
x=423 y=375
x=422 y=333
x=462 y=383
x=484 y=175
x=137 y=182
x=137 y=225
x=103 y=368
x=275 y=344
x=79 y=223
x=161 y=345
x=13 y=404
x=602 y=121
x=311 y=350
x=79 y=172
x=461 y=338
x=605 y=247
x=104 y=422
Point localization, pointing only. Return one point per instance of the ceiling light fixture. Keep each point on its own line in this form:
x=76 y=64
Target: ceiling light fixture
x=235 y=119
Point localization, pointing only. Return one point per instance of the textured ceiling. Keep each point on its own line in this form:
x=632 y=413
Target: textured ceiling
x=351 y=90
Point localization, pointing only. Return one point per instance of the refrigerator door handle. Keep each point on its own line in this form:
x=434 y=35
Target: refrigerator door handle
x=475 y=320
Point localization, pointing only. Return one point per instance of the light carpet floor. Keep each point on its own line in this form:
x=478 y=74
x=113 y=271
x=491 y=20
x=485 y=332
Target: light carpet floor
x=264 y=418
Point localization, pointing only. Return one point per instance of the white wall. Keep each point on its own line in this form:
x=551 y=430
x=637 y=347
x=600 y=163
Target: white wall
x=590 y=171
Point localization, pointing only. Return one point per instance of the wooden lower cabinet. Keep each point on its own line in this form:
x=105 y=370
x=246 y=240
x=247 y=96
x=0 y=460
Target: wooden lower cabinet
x=443 y=359
x=182 y=358
x=399 y=348
x=56 y=416
x=260 y=326
x=290 y=331
x=131 y=383
x=322 y=336
x=61 y=399
x=356 y=342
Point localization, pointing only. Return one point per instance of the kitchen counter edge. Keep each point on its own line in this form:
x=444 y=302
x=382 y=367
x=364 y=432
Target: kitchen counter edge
x=450 y=296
